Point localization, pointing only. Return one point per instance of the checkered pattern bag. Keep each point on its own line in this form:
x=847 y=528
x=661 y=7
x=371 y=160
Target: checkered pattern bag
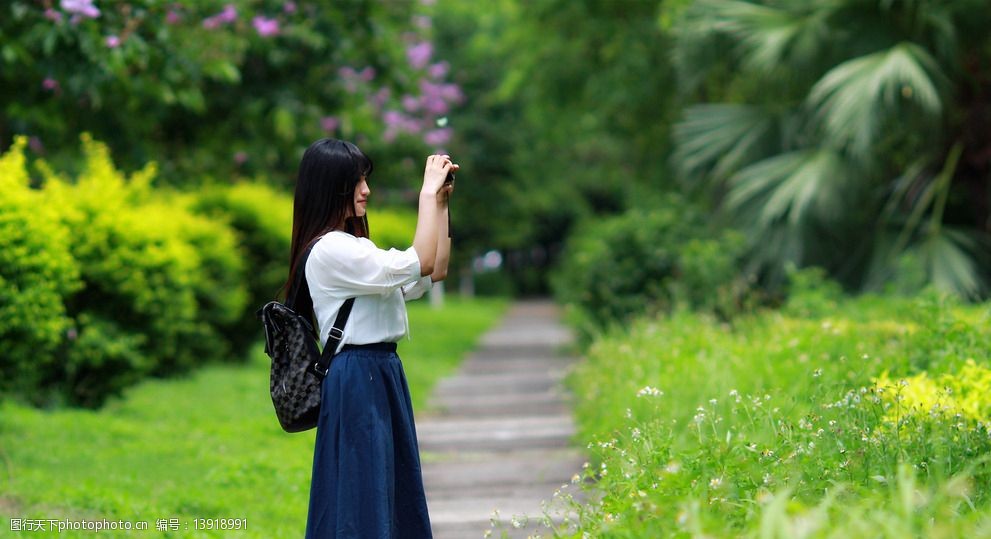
x=298 y=366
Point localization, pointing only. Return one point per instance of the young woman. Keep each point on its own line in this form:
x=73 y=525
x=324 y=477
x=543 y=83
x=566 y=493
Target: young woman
x=366 y=466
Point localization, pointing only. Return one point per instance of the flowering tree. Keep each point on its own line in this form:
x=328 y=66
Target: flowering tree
x=220 y=88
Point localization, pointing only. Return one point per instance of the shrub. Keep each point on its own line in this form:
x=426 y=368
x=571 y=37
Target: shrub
x=392 y=227
x=649 y=261
x=36 y=274
x=136 y=272
x=261 y=217
x=220 y=285
x=149 y=289
x=102 y=359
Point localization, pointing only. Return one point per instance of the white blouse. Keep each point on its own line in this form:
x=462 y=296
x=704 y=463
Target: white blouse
x=343 y=266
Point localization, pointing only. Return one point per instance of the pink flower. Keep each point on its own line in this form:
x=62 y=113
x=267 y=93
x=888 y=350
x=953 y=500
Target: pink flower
x=410 y=103
x=435 y=105
x=289 y=7
x=265 y=27
x=52 y=15
x=240 y=158
x=393 y=118
x=50 y=84
x=113 y=42
x=329 y=123
x=381 y=97
x=437 y=137
x=452 y=92
x=438 y=70
x=84 y=8
x=173 y=17
x=367 y=74
x=228 y=15
x=419 y=54
x=347 y=72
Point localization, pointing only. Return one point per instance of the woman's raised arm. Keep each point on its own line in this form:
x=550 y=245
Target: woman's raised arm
x=431 y=211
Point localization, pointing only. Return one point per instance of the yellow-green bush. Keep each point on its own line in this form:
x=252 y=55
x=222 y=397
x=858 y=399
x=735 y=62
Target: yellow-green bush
x=150 y=287
x=261 y=217
x=392 y=227
x=966 y=393
x=36 y=274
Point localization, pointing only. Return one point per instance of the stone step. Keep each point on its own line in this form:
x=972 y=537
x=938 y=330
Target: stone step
x=495 y=434
x=546 y=336
x=504 y=383
x=478 y=529
x=508 y=365
x=469 y=509
x=549 y=402
x=498 y=433
x=469 y=471
x=509 y=351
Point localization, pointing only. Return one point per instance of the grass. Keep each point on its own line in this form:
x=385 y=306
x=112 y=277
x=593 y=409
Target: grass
x=207 y=446
x=834 y=417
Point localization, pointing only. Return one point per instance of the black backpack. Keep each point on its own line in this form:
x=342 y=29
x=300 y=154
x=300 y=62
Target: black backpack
x=298 y=365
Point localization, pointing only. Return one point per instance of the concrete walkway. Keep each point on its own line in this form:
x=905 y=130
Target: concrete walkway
x=499 y=435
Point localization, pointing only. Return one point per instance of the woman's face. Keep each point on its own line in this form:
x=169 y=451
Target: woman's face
x=361 y=192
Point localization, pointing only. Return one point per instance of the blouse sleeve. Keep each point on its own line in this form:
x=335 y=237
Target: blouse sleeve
x=416 y=289
x=346 y=266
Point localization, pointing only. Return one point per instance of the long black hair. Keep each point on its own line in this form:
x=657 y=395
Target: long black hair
x=324 y=200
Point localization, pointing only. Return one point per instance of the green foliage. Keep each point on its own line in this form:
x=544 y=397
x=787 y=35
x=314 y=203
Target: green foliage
x=393 y=227
x=261 y=216
x=217 y=88
x=37 y=273
x=650 y=261
x=843 y=135
x=141 y=286
x=202 y=446
x=780 y=423
x=568 y=120
x=101 y=360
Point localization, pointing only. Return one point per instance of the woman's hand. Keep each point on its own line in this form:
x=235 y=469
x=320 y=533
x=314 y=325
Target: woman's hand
x=434 y=175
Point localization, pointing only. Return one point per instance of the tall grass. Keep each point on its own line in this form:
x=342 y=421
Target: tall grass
x=820 y=420
x=207 y=446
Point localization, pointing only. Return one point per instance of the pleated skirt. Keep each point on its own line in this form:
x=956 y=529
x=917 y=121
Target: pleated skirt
x=366 y=463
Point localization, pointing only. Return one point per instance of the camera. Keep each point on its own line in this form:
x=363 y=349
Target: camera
x=449 y=179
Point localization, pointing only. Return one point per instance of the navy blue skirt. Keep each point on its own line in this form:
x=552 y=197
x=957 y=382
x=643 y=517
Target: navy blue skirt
x=366 y=463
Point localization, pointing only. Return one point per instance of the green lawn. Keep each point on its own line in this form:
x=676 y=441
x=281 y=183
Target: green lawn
x=833 y=417
x=207 y=446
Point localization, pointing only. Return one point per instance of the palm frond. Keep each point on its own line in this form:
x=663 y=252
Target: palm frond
x=797 y=186
x=950 y=259
x=721 y=137
x=853 y=97
x=790 y=32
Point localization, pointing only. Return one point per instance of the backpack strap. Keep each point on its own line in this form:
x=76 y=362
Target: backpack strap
x=299 y=280
x=322 y=366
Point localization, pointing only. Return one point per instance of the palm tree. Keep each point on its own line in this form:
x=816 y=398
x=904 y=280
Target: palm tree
x=850 y=134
